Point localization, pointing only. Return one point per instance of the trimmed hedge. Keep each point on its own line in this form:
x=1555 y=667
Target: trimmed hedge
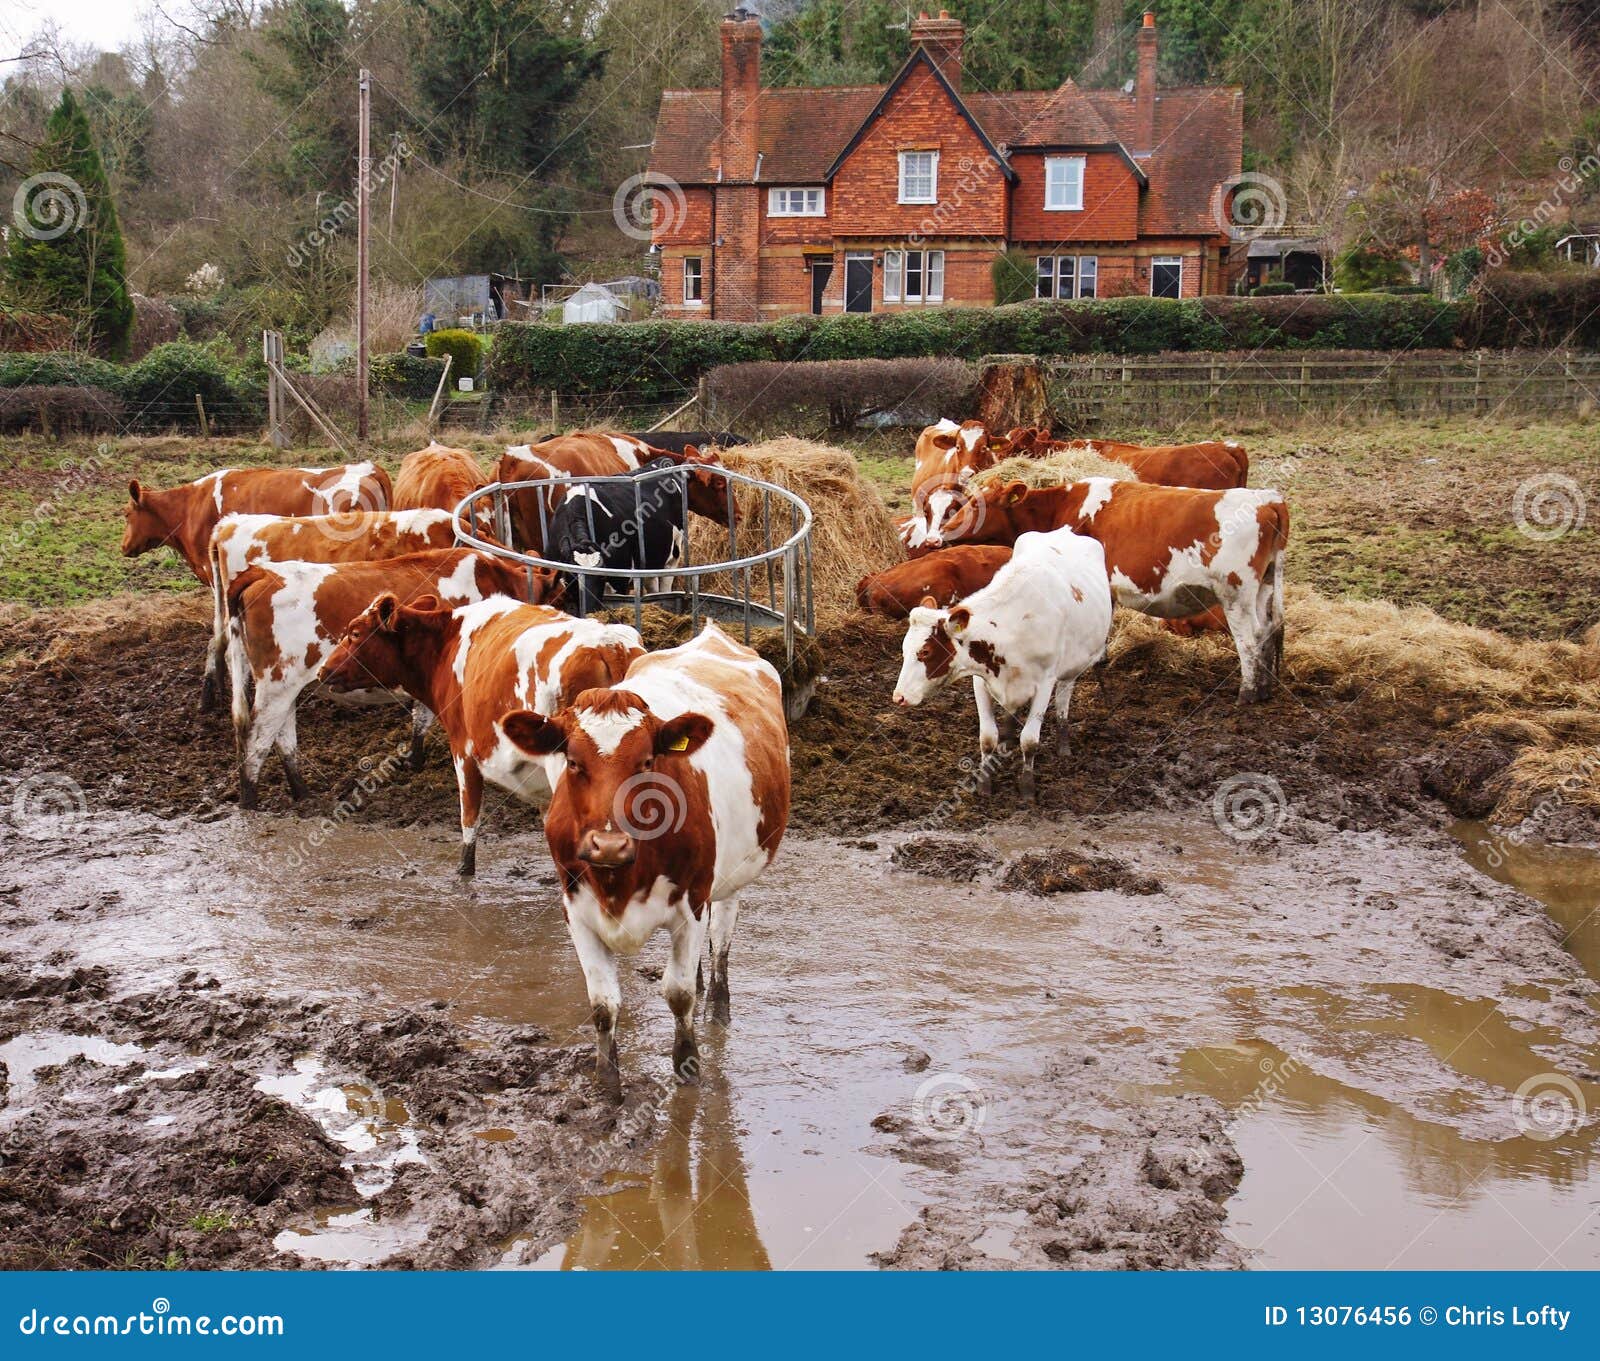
x=404 y=375
x=658 y=358
x=464 y=347
x=157 y=393
x=56 y=409
x=839 y=393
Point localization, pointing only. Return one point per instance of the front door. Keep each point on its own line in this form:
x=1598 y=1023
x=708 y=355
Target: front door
x=1166 y=276
x=821 y=274
x=858 y=283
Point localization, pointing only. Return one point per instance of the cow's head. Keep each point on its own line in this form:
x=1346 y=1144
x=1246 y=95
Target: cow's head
x=143 y=525
x=931 y=648
x=377 y=650
x=626 y=778
x=709 y=492
x=988 y=515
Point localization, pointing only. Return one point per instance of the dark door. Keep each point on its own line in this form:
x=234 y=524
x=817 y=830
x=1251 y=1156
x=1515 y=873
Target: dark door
x=821 y=274
x=858 y=283
x=1166 y=277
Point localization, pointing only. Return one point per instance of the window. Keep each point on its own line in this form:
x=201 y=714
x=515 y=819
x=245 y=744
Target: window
x=913 y=276
x=1067 y=276
x=693 y=281
x=794 y=203
x=919 y=177
x=1063 y=183
x=1166 y=276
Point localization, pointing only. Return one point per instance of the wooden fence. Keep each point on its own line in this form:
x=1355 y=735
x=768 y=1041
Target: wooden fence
x=1085 y=392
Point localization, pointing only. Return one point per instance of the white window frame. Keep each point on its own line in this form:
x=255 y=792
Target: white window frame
x=933 y=177
x=781 y=201
x=1063 y=194
x=699 y=275
x=1166 y=260
x=1080 y=265
x=897 y=271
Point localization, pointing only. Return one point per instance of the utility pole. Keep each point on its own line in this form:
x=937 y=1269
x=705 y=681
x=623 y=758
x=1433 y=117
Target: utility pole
x=363 y=192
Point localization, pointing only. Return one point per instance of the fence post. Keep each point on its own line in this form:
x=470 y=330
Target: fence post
x=555 y=413
x=702 y=391
x=200 y=411
x=1122 y=393
x=271 y=354
x=1477 y=383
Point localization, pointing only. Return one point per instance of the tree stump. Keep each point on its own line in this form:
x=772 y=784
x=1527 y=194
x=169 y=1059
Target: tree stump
x=1011 y=392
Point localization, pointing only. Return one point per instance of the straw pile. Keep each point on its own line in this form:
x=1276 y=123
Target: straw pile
x=1067 y=465
x=852 y=534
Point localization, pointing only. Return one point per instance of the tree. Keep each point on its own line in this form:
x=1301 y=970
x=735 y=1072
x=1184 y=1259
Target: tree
x=66 y=254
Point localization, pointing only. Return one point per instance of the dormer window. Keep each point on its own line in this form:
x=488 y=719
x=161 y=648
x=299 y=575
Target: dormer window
x=919 y=177
x=795 y=203
x=1063 y=184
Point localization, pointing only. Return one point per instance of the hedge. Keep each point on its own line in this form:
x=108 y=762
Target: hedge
x=57 y=409
x=839 y=393
x=158 y=392
x=464 y=347
x=404 y=375
x=659 y=358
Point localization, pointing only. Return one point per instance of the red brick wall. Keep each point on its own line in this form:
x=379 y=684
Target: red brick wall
x=1110 y=202
x=682 y=222
x=738 y=257
x=672 y=304
x=784 y=231
x=971 y=185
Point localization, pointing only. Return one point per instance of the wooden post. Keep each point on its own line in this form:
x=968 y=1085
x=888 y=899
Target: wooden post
x=438 y=396
x=272 y=355
x=1477 y=383
x=363 y=225
x=555 y=413
x=200 y=411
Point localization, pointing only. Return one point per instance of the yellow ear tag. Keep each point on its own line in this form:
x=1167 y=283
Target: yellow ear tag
x=679 y=744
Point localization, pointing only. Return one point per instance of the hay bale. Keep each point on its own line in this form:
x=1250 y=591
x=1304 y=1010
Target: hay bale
x=853 y=532
x=1066 y=465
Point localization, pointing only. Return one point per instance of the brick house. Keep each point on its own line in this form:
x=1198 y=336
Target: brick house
x=884 y=197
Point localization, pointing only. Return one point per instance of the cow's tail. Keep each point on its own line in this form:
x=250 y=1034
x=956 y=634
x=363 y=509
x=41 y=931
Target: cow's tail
x=238 y=661
x=1241 y=460
x=380 y=476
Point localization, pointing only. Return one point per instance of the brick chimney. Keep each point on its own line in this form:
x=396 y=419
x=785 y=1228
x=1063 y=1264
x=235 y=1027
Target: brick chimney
x=942 y=39
x=1144 y=89
x=741 y=85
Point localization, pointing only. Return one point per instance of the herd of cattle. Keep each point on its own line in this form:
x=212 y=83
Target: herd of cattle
x=664 y=776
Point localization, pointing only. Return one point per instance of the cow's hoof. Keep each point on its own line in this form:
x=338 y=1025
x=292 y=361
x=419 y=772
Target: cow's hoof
x=469 y=862
x=249 y=799
x=718 y=1005
x=1026 y=786
x=608 y=1078
x=686 y=1062
x=298 y=789
x=209 y=702
x=418 y=757
x=985 y=784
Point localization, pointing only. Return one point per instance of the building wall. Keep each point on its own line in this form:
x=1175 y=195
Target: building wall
x=971 y=185
x=1110 y=202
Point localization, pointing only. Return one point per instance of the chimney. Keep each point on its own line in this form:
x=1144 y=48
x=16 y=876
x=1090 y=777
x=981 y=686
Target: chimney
x=741 y=85
x=1144 y=89
x=942 y=39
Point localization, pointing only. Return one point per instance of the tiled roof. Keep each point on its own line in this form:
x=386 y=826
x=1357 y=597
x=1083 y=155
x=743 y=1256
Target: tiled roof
x=1199 y=137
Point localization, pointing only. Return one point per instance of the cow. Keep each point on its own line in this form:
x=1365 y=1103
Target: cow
x=1213 y=465
x=184 y=517
x=633 y=525
x=472 y=666
x=438 y=478
x=1172 y=552
x=948 y=456
x=240 y=542
x=595 y=455
x=671 y=795
x=1024 y=638
x=285 y=619
x=943 y=575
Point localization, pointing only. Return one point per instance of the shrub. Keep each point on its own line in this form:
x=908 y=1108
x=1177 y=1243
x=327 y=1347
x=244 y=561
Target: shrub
x=465 y=349
x=405 y=376
x=1015 y=277
x=1277 y=289
x=839 y=393
x=160 y=390
x=56 y=409
x=60 y=368
x=1360 y=271
x=1512 y=309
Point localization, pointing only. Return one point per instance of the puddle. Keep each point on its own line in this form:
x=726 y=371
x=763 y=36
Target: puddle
x=861 y=994
x=1566 y=880
x=25 y=1054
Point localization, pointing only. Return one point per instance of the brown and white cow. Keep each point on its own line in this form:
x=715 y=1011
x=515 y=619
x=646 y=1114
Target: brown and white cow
x=671 y=795
x=1171 y=552
x=594 y=454
x=437 y=478
x=474 y=665
x=183 y=518
x=948 y=456
x=285 y=620
x=942 y=575
x=1213 y=465
x=241 y=542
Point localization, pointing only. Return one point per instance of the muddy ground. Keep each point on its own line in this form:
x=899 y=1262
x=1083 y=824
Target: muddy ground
x=222 y=1103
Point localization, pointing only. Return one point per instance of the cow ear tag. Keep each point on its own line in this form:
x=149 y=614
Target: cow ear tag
x=679 y=744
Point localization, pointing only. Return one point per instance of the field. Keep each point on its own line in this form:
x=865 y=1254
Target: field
x=1128 y=928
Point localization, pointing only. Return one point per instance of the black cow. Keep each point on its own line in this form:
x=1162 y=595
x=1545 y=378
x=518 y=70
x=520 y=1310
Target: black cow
x=676 y=441
x=621 y=515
